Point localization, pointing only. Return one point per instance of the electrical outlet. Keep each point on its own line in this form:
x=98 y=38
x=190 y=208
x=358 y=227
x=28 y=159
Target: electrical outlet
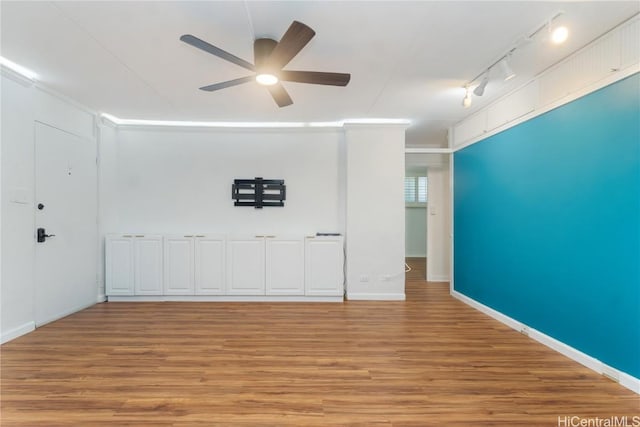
x=385 y=278
x=364 y=278
x=524 y=330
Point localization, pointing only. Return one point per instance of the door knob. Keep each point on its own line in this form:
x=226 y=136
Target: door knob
x=42 y=236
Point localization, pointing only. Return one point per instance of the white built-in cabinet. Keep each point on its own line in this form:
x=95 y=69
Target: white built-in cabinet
x=194 y=264
x=179 y=265
x=215 y=264
x=210 y=256
x=119 y=268
x=134 y=264
x=284 y=269
x=245 y=265
x=265 y=265
x=324 y=261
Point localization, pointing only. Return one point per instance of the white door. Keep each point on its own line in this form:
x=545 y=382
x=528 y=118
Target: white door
x=284 y=266
x=178 y=265
x=209 y=265
x=119 y=265
x=66 y=206
x=324 y=266
x=245 y=266
x=148 y=265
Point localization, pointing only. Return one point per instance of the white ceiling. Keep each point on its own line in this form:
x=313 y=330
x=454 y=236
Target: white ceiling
x=407 y=59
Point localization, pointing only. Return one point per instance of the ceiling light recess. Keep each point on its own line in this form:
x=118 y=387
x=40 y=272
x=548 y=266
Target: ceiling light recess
x=16 y=68
x=179 y=123
x=557 y=35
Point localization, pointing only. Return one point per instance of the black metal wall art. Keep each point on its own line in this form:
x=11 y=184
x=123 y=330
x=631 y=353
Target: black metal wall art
x=258 y=192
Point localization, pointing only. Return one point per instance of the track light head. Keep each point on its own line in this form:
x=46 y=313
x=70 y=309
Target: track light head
x=479 y=90
x=466 y=101
x=506 y=69
x=559 y=34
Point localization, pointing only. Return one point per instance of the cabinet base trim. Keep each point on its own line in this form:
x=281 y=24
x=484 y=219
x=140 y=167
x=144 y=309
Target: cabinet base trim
x=223 y=298
x=375 y=297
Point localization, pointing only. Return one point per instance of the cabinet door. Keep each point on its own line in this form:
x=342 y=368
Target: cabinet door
x=284 y=266
x=148 y=265
x=324 y=259
x=245 y=266
x=178 y=265
x=119 y=265
x=209 y=265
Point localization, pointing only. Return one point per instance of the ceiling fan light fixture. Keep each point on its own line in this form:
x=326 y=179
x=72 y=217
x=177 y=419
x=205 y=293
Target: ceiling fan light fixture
x=266 y=79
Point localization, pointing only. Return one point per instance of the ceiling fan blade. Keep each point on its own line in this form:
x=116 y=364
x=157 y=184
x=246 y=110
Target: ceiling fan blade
x=315 y=77
x=203 y=45
x=228 y=83
x=280 y=95
x=296 y=37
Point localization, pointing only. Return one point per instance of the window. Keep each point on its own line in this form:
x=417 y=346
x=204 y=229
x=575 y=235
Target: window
x=415 y=189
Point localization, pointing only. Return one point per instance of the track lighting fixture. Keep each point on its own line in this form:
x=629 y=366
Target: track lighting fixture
x=506 y=69
x=479 y=90
x=466 y=102
x=557 y=35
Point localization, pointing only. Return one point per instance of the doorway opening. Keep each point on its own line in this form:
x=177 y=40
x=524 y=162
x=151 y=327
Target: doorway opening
x=428 y=215
x=415 y=201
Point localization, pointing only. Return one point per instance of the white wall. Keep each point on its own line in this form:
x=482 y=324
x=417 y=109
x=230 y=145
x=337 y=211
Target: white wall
x=375 y=212
x=439 y=224
x=22 y=105
x=108 y=214
x=171 y=180
x=17 y=285
x=177 y=180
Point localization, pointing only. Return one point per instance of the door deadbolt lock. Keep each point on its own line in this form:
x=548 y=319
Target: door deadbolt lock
x=42 y=236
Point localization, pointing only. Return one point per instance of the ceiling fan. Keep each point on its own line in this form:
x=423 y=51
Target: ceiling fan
x=270 y=57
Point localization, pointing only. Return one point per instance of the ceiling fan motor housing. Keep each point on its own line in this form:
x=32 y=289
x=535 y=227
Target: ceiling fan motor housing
x=262 y=48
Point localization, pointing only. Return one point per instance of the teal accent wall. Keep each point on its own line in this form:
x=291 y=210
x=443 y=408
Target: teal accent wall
x=547 y=223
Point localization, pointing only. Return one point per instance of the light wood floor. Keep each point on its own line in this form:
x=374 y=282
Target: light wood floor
x=429 y=361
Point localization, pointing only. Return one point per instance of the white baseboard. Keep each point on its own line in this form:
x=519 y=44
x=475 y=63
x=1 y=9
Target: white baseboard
x=101 y=298
x=437 y=277
x=624 y=379
x=222 y=298
x=65 y=313
x=375 y=297
x=415 y=256
x=17 y=332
